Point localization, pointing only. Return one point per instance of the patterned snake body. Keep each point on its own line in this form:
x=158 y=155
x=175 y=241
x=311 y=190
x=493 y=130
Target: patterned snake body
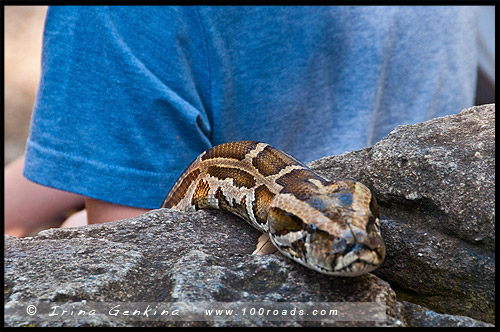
x=329 y=226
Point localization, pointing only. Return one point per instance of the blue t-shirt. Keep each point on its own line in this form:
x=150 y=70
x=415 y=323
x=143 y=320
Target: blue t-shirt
x=129 y=96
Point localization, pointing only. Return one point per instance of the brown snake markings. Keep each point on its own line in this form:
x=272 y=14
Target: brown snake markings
x=329 y=226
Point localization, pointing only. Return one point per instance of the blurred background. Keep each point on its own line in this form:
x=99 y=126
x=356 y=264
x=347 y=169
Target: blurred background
x=23 y=41
x=23 y=44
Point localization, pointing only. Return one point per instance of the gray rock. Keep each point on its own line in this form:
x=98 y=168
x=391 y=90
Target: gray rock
x=422 y=317
x=168 y=256
x=435 y=184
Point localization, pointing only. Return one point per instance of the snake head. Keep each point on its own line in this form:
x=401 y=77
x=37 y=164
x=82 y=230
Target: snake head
x=333 y=228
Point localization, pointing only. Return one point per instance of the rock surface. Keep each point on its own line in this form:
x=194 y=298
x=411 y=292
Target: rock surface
x=171 y=257
x=419 y=316
x=435 y=185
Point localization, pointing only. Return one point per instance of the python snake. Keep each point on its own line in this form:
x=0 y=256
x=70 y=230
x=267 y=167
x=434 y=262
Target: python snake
x=329 y=226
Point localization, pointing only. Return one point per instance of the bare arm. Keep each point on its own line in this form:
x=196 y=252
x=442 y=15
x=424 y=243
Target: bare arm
x=100 y=212
x=30 y=206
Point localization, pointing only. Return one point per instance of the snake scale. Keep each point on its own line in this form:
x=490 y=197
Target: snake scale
x=329 y=226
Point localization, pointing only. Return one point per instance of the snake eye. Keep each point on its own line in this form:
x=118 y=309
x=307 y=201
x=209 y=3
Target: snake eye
x=310 y=228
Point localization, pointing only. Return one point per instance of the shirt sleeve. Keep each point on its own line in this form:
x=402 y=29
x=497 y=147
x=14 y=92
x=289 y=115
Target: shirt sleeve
x=122 y=102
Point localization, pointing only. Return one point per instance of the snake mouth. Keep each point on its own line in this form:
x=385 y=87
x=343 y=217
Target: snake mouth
x=359 y=259
x=355 y=260
x=356 y=268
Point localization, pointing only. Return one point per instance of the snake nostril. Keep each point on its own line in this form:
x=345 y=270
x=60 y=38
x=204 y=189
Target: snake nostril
x=348 y=248
x=339 y=246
